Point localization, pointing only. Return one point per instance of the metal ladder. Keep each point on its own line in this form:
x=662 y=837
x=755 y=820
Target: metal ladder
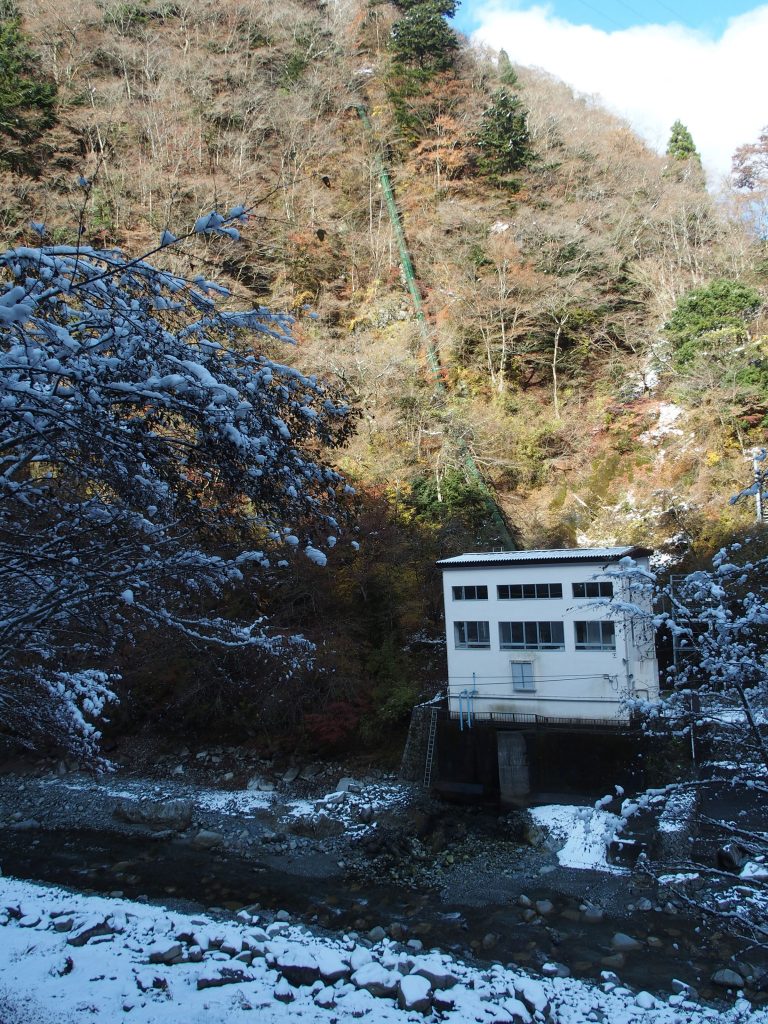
x=431 y=738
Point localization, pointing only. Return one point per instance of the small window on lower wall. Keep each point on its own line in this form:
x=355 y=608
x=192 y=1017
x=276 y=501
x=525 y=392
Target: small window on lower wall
x=595 y=636
x=472 y=635
x=522 y=676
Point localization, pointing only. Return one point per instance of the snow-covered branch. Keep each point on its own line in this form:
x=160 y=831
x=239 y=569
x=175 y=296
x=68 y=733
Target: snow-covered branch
x=150 y=458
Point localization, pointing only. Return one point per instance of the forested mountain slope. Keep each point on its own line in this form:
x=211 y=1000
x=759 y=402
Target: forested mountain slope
x=550 y=248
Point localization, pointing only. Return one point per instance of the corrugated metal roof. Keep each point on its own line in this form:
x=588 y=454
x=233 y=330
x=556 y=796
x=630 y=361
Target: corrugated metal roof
x=551 y=556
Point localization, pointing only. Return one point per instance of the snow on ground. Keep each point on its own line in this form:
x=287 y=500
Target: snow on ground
x=69 y=958
x=581 y=835
x=351 y=804
x=239 y=802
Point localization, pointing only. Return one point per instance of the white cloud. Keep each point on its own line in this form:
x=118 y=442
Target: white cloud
x=651 y=74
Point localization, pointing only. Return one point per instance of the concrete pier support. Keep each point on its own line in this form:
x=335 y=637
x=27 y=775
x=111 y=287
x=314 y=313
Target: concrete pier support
x=514 y=778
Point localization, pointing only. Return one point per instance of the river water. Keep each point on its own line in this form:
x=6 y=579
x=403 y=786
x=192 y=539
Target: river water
x=175 y=873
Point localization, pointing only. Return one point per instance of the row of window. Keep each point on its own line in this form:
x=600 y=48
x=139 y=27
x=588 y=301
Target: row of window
x=526 y=591
x=597 y=635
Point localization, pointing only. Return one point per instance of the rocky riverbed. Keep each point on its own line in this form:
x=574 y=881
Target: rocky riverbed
x=345 y=849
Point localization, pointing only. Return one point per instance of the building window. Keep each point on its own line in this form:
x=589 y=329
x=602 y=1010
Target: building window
x=595 y=636
x=525 y=591
x=470 y=593
x=531 y=636
x=472 y=635
x=522 y=676
x=593 y=589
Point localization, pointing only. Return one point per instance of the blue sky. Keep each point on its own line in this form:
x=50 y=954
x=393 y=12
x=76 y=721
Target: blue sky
x=707 y=16
x=650 y=61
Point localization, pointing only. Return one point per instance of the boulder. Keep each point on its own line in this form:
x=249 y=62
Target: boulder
x=592 y=915
x=732 y=857
x=347 y=785
x=325 y=998
x=435 y=970
x=645 y=1001
x=376 y=979
x=517 y=1011
x=298 y=966
x=89 y=929
x=332 y=968
x=727 y=978
x=682 y=988
x=624 y=943
x=532 y=993
x=414 y=993
x=283 y=991
x=224 y=976
x=164 y=952
x=360 y=956
x=206 y=839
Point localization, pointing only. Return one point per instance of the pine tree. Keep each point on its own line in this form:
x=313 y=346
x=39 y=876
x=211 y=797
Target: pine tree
x=422 y=37
x=507 y=73
x=445 y=7
x=503 y=137
x=681 y=145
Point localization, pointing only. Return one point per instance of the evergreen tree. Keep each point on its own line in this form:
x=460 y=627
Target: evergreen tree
x=422 y=37
x=720 y=306
x=681 y=145
x=445 y=7
x=503 y=137
x=26 y=98
x=507 y=73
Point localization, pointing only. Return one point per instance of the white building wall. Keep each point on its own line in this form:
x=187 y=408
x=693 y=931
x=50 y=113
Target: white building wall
x=569 y=683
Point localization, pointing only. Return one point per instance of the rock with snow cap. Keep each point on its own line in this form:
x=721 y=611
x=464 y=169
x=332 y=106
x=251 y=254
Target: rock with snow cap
x=358 y=1003
x=682 y=988
x=325 y=998
x=444 y=1000
x=414 y=993
x=517 y=1010
x=164 y=952
x=298 y=966
x=436 y=969
x=360 y=956
x=84 y=930
x=146 y=981
x=283 y=991
x=331 y=965
x=223 y=976
x=646 y=1001
x=532 y=993
x=376 y=979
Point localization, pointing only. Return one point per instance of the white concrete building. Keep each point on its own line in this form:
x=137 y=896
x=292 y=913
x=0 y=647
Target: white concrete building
x=546 y=633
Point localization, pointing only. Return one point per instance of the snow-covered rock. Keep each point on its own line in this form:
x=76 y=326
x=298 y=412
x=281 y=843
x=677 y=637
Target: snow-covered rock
x=414 y=993
x=376 y=979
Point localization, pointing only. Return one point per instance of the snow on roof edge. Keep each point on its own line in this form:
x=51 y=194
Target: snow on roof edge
x=543 y=556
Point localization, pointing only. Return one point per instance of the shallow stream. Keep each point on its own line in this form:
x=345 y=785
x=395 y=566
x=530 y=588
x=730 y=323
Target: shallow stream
x=173 y=872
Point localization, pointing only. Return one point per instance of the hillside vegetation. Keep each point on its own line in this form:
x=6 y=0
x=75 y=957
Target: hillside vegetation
x=593 y=340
